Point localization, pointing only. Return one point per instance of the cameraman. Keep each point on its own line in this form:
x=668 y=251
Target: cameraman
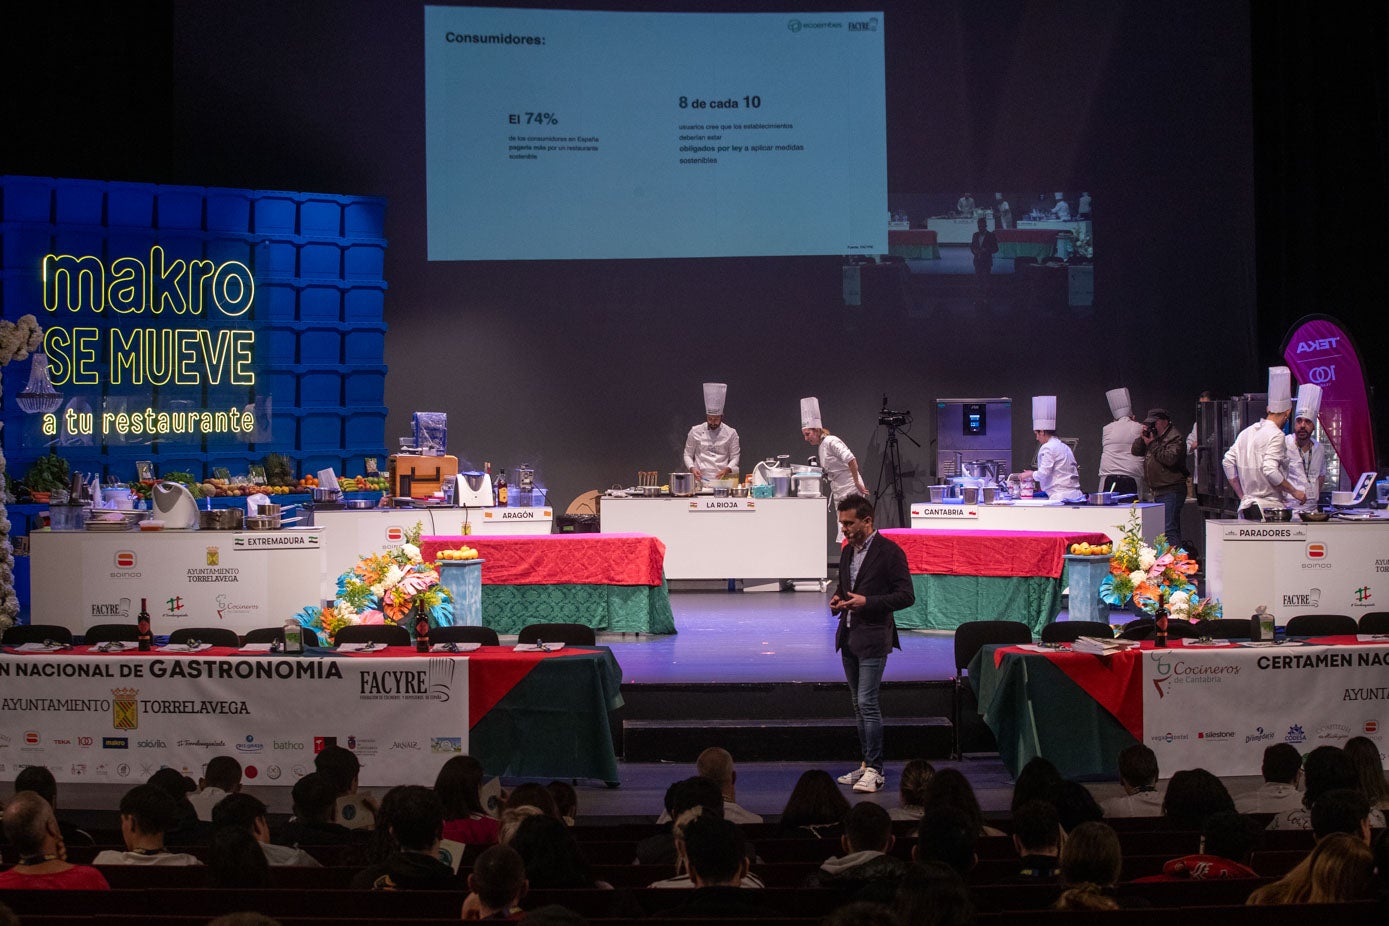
x=1164 y=468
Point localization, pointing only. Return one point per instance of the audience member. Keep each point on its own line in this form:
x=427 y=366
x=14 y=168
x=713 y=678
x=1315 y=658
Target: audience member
x=414 y=819
x=1192 y=796
x=512 y=818
x=680 y=797
x=933 y=894
x=147 y=813
x=950 y=788
x=7 y=917
x=1084 y=898
x=815 y=808
x=1138 y=774
x=683 y=878
x=1339 y=869
x=566 y=800
x=1076 y=805
x=187 y=829
x=532 y=794
x=1091 y=855
x=552 y=855
x=716 y=855
x=247 y=812
x=552 y=915
x=235 y=859
x=1227 y=838
x=912 y=791
x=40 y=780
x=313 y=824
x=342 y=768
x=865 y=870
x=948 y=835
x=716 y=764
x=1364 y=756
x=1282 y=767
x=496 y=885
x=222 y=777
x=31 y=827
x=459 y=788
x=1326 y=768
x=1344 y=810
x=242 y=919
x=1037 y=838
x=1038 y=780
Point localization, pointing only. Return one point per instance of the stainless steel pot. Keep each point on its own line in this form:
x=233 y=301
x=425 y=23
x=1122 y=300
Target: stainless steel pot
x=1110 y=498
x=682 y=484
x=739 y=491
x=721 y=491
x=222 y=519
x=1278 y=514
x=257 y=522
x=982 y=469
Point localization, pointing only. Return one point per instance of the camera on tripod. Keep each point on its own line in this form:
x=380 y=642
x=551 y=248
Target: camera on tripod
x=889 y=418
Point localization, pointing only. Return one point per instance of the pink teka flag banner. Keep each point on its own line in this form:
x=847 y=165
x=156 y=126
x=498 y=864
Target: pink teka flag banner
x=1318 y=350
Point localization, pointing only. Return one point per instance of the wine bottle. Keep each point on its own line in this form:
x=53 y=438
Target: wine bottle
x=502 y=493
x=1160 y=618
x=421 y=629
x=142 y=627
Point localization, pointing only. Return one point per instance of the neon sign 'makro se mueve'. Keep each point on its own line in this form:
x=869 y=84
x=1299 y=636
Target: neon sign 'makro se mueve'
x=154 y=355
x=148 y=356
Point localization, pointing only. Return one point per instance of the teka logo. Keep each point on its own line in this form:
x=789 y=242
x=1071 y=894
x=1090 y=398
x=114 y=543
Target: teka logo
x=395 y=534
x=125 y=559
x=1295 y=734
x=31 y=737
x=1316 y=344
x=1316 y=551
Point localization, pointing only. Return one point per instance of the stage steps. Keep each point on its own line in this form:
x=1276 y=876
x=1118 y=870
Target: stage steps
x=776 y=721
x=801 y=739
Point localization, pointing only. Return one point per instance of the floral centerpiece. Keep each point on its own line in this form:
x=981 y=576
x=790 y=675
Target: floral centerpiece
x=384 y=588
x=1143 y=573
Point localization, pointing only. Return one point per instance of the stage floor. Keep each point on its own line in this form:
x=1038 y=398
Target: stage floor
x=763 y=637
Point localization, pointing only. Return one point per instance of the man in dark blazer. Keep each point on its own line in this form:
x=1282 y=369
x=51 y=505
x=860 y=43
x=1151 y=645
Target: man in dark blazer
x=873 y=582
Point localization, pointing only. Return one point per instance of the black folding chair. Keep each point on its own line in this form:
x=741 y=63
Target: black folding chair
x=111 y=633
x=277 y=635
x=389 y=634
x=484 y=635
x=970 y=638
x=572 y=634
x=217 y=636
x=1070 y=631
x=1322 y=625
x=1375 y=622
x=20 y=634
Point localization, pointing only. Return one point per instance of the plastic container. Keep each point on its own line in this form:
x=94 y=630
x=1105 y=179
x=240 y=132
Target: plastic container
x=463 y=579
x=68 y=517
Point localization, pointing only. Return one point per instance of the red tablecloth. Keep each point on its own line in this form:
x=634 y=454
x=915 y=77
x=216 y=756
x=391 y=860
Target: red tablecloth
x=1026 y=235
x=561 y=559
x=988 y=553
x=921 y=237
x=1115 y=682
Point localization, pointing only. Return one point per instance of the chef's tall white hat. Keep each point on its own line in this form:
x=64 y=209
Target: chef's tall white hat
x=810 y=412
x=714 y=394
x=1280 y=389
x=1060 y=195
x=1308 y=402
x=1120 y=405
x=1044 y=413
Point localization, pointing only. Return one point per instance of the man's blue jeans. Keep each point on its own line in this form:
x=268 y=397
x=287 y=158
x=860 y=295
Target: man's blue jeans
x=864 y=677
x=1172 y=501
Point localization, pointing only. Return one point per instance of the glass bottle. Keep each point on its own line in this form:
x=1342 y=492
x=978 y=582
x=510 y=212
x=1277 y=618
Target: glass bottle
x=1160 y=617
x=294 y=636
x=142 y=627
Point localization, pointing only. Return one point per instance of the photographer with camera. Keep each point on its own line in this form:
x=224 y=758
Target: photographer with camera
x=1164 y=468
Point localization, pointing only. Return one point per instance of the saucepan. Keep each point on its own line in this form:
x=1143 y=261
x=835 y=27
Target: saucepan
x=1278 y=514
x=682 y=484
x=221 y=519
x=1315 y=516
x=1110 y=498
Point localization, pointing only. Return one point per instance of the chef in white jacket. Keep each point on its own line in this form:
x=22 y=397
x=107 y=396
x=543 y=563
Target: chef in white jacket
x=837 y=460
x=1116 y=442
x=1057 y=473
x=1257 y=463
x=711 y=448
x=1306 y=455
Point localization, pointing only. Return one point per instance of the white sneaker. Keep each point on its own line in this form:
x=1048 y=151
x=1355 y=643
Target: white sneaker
x=853 y=777
x=869 y=782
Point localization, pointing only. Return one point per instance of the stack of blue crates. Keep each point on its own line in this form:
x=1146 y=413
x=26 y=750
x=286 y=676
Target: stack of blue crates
x=318 y=263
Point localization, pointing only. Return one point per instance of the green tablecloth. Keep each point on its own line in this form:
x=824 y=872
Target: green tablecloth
x=554 y=723
x=1025 y=249
x=1035 y=710
x=945 y=602
x=610 y=608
